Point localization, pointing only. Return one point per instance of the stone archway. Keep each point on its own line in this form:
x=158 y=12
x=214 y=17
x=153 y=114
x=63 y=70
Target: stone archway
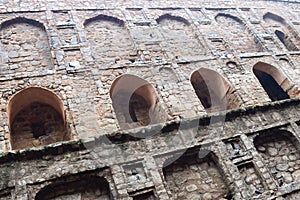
x=36 y=118
x=274 y=82
x=214 y=92
x=135 y=102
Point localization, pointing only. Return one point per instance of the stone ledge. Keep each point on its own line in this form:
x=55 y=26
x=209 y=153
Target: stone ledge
x=137 y=134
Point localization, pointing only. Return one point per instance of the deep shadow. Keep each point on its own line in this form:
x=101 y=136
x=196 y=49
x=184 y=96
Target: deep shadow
x=273 y=89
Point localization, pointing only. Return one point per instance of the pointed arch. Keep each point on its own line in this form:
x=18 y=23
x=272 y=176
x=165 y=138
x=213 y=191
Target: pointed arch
x=26 y=38
x=286 y=34
x=274 y=82
x=102 y=17
x=272 y=16
x=134 y=101
x=36 y=117
x=172 y=17
x=237 y=34
x=18 y=20
x=211 y=88
x=228 y=16
x=286 y=40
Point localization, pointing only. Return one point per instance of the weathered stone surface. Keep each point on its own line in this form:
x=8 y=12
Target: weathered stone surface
x=190 y=58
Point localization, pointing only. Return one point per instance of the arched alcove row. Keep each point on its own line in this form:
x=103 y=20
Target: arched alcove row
x=172 y=17
x=36 y=117
x=180 y=37
x=135 y=102
x=274 y=82
x=235 y=31
x=90 y=187
x=102 y=17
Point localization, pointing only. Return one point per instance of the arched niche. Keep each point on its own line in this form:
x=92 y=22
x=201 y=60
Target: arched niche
x=269 y=17
x=27 y=39
x=36 y=117
x=211 y=88
x=134 y=101
x=108 y=39
x=236 y=33
x=179 y=36
x=274 y=82
x=90 y=187
x=286 y=40
x=280 y=152
x=18 y=20
x=285 y=63
x=219 y=17
x=172 y=17
x=167 y=75
x=284 y=32
x=101 y=17
x=234 y=67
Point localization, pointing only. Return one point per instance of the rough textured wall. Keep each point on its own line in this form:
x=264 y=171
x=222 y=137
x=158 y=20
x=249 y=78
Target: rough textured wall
x=194 y=178
x=109 y=41
x=24 y=48
x=159 y=133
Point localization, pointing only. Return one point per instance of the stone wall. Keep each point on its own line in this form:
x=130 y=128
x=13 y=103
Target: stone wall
x=131 y=95
x=193 y=178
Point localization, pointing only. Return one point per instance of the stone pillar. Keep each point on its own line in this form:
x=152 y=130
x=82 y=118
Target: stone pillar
x=154 y=173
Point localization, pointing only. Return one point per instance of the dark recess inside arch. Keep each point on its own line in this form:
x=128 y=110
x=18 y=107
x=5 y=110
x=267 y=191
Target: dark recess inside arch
x=273 y=89
x=176 y=18
x=273 y=17
x=104 y=18
x=22 y=20
x=71 y=187
x=228 y=16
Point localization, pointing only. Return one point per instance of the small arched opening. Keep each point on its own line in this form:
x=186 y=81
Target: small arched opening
x=134 y=101
x=288 y=43
x=108 y=39
x=211 y=89
x=287 y=35
x=274 y=82
x=268 y=17
x=172 y=17
x=36 y=117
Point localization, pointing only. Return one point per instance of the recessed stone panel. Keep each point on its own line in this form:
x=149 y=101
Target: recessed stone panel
x=280 y=153
x=191 y=177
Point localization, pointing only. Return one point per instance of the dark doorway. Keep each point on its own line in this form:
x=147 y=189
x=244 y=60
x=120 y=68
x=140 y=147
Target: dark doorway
x=273 y=89
x=286 y=41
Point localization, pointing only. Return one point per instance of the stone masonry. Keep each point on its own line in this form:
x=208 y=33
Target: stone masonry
x=149 y=99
